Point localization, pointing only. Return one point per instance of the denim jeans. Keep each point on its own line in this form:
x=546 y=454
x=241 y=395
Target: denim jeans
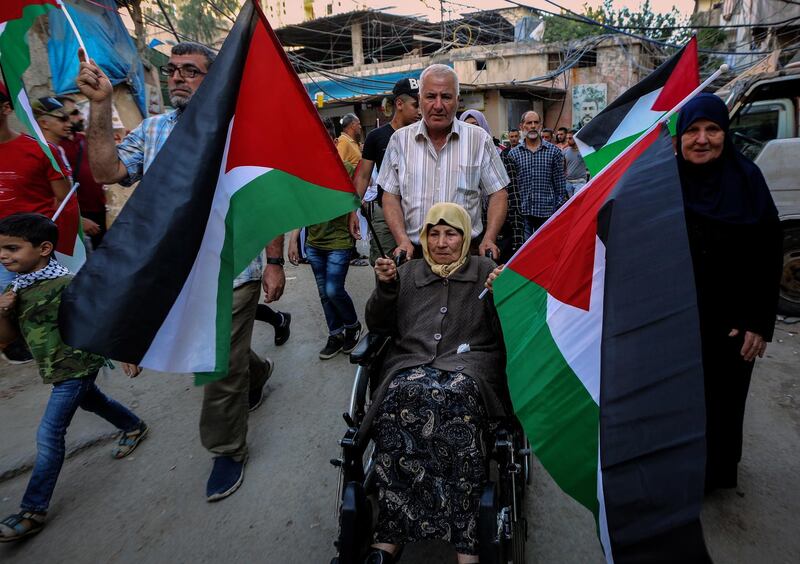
x=65 y=398
x=573 y=186
x=532 y=223
x=330 y=270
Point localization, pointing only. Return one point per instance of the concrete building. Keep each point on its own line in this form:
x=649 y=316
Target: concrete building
x=766 y=25
x=349 y=63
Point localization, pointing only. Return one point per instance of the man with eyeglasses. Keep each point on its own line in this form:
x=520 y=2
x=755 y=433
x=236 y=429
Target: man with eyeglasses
x=226 y=402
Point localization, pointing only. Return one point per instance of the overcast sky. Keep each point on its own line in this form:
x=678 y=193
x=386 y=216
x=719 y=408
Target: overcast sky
x=430 y=8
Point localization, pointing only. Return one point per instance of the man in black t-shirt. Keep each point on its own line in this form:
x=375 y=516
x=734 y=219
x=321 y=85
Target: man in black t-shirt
x=405 y=96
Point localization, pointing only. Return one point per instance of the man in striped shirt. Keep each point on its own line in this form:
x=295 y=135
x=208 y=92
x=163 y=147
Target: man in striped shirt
x=440 y=159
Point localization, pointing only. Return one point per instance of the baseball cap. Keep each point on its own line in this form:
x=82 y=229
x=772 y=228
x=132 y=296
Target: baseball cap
x=47 y=106
x=408 y=86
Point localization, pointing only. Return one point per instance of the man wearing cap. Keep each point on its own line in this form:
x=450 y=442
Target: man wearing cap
x=28 y=184
x=405 y=99
x=55 y=125
x=441 y=159
x=91 y=194
x=226 y=402
x=348 y=143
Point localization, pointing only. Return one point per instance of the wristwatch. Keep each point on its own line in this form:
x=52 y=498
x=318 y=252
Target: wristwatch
x=276 y=260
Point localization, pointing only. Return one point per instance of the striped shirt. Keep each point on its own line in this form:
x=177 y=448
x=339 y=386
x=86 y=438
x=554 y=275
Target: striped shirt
x=138 y=151
x=541 y=182
x=466 y=168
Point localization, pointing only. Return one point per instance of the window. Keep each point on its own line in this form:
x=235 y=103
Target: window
x=553 y=61
x=480 y=65
x=588 y=59
x=755 y=125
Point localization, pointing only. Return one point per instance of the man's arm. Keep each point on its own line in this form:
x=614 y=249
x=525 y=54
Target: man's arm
x=60 y=189
x=393 y=214
x=102 y=151
x=274 y=279
x=560 y=180
x=495 y=216
x=363 y=175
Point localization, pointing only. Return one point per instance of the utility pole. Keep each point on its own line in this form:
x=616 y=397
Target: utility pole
x=441 y=20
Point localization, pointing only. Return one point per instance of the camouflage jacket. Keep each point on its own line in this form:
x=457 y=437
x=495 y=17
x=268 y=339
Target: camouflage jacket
x=37 y=315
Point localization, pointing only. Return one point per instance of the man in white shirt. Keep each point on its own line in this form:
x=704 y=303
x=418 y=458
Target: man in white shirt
x=440 y=159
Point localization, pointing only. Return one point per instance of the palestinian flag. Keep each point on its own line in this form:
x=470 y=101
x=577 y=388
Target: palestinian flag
x=16 y=19
x=158 y=291
x=639 y=107
x=604 y=369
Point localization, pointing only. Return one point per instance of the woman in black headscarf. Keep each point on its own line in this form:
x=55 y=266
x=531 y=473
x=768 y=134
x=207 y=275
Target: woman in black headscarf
x=736 y=243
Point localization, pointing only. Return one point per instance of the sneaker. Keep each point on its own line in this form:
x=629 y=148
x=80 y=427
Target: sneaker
x=256 y=397
x=283 y=330
x=129 y=441
x=351 y=337
x=17 y=353
x=226 y=477
x=333 y=346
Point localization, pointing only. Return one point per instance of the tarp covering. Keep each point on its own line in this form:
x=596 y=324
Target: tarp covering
x=355 y=86
x=107 y=42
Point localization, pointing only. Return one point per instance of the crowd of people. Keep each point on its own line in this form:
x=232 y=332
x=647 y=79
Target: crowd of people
x=448 y=202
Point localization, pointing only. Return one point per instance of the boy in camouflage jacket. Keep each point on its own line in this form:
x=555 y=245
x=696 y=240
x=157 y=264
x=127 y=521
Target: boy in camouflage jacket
x=29 y=308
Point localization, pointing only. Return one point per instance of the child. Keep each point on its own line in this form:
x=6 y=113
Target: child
x=29 y=307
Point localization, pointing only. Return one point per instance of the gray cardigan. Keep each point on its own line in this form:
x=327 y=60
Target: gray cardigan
x=431 y=317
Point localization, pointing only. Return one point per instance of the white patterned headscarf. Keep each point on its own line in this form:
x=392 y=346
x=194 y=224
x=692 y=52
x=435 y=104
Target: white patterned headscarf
x=53 y=270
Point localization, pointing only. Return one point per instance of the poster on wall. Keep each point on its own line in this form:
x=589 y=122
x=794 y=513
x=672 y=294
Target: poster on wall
x=588 y=100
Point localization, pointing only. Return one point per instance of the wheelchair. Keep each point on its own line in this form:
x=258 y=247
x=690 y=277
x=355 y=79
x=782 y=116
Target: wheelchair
x=502 y=526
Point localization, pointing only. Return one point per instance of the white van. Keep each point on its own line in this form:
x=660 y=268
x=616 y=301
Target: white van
x=764 y=125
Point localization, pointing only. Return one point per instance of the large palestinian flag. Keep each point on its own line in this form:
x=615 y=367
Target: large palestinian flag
x=16 y=19
x=158 y=291
x=601 y=328
x=639 y=107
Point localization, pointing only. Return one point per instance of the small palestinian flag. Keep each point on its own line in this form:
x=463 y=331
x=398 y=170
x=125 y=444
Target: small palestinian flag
x=158 y=291
x=600 y=323
x=16 y=19
x=639 y=107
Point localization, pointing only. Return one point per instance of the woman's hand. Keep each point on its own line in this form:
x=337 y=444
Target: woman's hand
x=754 y=345
x=492 y=276
x=385 y=270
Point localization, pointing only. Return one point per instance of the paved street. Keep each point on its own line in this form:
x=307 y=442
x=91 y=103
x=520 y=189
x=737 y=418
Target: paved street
x=150 y=507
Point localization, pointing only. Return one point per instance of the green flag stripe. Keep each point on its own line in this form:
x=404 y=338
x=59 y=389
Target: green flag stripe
x=556 y=410
x=267 y=206
x=15 y=58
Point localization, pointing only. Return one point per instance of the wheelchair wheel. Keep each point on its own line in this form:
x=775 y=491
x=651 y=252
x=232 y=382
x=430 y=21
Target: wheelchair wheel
x=355 y=520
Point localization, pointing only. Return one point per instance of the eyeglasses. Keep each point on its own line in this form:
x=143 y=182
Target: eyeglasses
x=186 y=71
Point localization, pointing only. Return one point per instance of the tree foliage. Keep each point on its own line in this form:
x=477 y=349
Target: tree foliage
x=651 y=24
x=206 y=21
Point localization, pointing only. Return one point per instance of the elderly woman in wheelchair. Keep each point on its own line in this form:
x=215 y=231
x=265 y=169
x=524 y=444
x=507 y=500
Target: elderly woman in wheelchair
x=442 y=385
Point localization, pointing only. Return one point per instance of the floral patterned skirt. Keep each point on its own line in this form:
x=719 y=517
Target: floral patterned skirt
x=430 y=458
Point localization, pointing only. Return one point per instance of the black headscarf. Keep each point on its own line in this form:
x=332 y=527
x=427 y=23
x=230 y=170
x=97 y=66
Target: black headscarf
x=730 y=189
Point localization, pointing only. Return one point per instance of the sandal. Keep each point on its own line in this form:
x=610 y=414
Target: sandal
x=21 y=525
x=129 y=441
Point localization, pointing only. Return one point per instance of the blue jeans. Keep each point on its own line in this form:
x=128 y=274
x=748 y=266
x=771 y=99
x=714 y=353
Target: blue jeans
x=532 y=223
x=573 y=186
x=330 y=270
x=5 y=277
x=65 y=399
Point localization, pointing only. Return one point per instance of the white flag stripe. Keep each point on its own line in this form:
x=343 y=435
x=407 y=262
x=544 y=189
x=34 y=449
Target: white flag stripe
x=188 y=338
x=578 y=333
x=639 y=118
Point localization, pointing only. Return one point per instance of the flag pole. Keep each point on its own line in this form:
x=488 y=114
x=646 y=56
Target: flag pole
x=72 y=25
x=64 y=201
x=663 y=119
